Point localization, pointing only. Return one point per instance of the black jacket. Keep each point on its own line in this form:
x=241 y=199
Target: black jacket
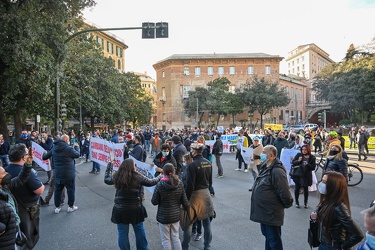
x=169 y=159
x=218 y=147
x=169 y=199
x=178 y=152
x=198 y=175
x=270 y=195
x=306 y=179
x=343 y=231
x=63 y=160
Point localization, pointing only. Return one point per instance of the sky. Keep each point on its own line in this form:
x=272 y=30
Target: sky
x=205 y=27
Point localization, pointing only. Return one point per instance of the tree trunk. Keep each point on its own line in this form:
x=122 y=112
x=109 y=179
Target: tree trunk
x=3 y=124
x=92 y=121
x=17 y=123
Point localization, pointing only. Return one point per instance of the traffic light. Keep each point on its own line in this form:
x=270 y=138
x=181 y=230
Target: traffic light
x=62 y=110
x=148 y=30
x=162 y=30
x=321 y=117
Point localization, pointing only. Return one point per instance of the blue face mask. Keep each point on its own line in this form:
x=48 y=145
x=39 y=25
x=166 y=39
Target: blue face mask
x=165 y=153
x=24 y=136
x=322 y=187
x=184 y=164
x=370 y=240
x=263 y=157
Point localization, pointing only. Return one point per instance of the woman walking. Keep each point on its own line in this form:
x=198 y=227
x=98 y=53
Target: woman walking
x=336 y=226
x=169 y=195
x=128 y=208
x=305 y=162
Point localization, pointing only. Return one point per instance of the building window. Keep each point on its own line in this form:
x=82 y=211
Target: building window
x=232 y=89
x=186 y=71
x=210 y=70
x=232 y=70
x=108 y=47
x=281 y=116
x=118 y=64
x=268 y=70
x=250 y=70
x=221 y=70
x=163 y=74
x=185 y=92
x=197 y=71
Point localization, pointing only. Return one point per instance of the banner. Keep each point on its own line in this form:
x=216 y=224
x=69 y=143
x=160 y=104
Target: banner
x=247 y=154
x=286 y=157
x=100 y=150
x=38 y=152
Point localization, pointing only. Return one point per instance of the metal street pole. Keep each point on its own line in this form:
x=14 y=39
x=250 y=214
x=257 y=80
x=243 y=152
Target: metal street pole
x=161 y=32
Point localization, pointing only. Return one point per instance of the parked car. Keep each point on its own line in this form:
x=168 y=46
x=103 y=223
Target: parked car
x=312 y=126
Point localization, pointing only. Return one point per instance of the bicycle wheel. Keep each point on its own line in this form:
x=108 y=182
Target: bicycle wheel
x=355 y=175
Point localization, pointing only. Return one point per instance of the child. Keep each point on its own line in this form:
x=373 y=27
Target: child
x=169 y=194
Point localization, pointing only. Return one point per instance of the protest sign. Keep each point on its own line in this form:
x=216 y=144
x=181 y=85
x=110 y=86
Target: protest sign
x=38 y=152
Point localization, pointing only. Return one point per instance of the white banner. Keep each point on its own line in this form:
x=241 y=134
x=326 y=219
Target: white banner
x=247 y=154
x=100 y=152
x=38 y=152
x=286 y=157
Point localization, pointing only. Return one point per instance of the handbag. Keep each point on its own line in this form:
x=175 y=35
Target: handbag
x=296 y=171
x=21 y=238
x=312 y=234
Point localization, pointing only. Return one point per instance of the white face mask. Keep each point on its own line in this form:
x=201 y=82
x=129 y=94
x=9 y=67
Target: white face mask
x=322 y=187
x=370 y=240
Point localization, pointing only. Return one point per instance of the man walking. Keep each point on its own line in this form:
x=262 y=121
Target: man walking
x=270 y=197
x=217 y=151
x=27 y=195
x=242 y=142
x=352 y=137
x=198 y=182
x=4 y=149
x=65 y=171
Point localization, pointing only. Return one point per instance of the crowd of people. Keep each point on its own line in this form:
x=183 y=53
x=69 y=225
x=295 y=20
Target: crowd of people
x=183 y=179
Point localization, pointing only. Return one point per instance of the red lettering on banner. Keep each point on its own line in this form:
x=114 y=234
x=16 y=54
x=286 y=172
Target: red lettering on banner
x=116 y=164
x=103 y=157
x=226 y=146
x=97 y=146
x=107 y=149
x=38 y=155
x=94 y=155
x=118 y=152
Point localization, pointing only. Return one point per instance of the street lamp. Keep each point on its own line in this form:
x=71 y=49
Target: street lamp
x=149 y=30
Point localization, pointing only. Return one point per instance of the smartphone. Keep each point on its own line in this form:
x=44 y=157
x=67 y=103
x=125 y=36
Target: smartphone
x=30 y=151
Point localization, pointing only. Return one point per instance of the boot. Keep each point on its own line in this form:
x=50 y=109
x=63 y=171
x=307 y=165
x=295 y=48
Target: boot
x=297 y=204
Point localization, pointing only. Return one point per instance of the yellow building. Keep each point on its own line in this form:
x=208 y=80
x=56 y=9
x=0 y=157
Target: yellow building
x=113 y=46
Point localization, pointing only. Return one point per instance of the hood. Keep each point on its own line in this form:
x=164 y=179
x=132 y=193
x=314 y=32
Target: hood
x=59 y=145
x=166 y=185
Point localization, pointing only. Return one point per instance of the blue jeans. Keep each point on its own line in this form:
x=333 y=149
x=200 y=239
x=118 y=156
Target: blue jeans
x=352 y=142
x=70 y=190
x=147 y=145
x=324 y=246
x=207 y=235
x=140 y=236
x=273 y=237
x=95 y=166
x=5 y=160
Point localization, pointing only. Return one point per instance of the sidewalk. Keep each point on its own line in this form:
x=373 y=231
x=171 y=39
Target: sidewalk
x=354 y=151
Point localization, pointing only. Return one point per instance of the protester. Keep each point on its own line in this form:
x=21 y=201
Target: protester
x=242 y=142
x=169 y=195
x=26 y=195
x=64 y=170
x=128 y=208
x=178 y=151
x=336 y=161
x=255 y=160
x=270 y=197
x=163 y=158
x=217 y=151
x=4 y=149
x=306 y=162
x=337 y=228
x=369 y=222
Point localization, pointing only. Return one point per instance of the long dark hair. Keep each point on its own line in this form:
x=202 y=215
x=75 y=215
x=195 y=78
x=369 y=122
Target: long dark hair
x=168 y=170
x=336 y=193
x=123 y=176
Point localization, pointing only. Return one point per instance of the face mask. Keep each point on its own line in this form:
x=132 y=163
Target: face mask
x=370 y=240
x=24 y=136
x=184 y=164
x=263 y=157
x=322 y=187
x=333 y=152
x=6 y=180
x=165 y=153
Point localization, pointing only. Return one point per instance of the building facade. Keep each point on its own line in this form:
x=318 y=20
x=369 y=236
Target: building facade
x=180 y=73
x=113 y=46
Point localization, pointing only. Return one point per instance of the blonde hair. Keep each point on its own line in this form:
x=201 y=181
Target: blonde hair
x=201 y=139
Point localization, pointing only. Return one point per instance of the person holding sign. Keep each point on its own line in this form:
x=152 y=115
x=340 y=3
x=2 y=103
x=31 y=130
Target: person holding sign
x=305 y=162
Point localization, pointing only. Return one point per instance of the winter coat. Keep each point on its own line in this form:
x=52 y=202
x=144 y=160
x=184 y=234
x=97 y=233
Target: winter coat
x=169 y=159
x=198 y=175
x=169 y=198
x=343 y=231
x=178 y=152
x=63 y=160
x=306 y=179
x=337 y=165
x=218 y=147
x=270 y=195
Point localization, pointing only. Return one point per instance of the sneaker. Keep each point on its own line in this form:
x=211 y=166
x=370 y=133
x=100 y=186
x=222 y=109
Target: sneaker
x=92 y=172
x=246 y=171
x=297 y=205
x=219 y=176
x=198 y=237
x=365 y=158
x=306 y=206
x=97 y=172
x=72 y=209
x=238 y=169
x=57 y=210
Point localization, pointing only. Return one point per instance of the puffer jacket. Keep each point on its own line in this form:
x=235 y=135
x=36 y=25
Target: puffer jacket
x=337 y=165
x=343 y=232
x=7 y=219
x=63 y=160
x=270 y=195
x=169 y=199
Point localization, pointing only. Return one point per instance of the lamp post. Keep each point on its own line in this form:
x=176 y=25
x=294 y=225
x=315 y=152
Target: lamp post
x=149 y=30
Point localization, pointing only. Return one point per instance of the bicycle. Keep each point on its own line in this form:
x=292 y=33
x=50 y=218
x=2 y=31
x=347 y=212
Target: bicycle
x=355 y=174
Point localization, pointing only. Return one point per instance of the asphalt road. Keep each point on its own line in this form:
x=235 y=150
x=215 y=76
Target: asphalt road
x=90 y=227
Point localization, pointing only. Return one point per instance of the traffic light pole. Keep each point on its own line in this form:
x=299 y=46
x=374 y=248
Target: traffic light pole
x=148 y=31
